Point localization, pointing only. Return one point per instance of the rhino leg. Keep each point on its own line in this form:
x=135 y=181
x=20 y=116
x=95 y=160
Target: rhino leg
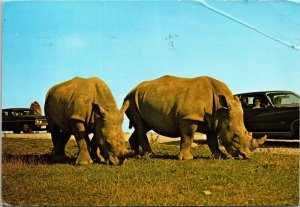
x=59 y=140
x=83 y=143
x=213 y=145
x=95 y=152
x=143 y=141
x=139 y=137
x=134 y=145
x=187 y=130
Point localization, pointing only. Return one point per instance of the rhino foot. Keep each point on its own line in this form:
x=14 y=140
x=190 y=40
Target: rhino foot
x=145 y=155
x=59 y=158
x=185 y=156
x=97 y=157
x=221 y=155
x=83 y=159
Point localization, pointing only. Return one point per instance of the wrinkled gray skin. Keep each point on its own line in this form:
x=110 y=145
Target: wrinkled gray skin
x=82 y=106
x=180 y=107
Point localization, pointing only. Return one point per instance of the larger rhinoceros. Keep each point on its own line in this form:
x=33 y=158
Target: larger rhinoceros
x=179 y=107
x=81 y=106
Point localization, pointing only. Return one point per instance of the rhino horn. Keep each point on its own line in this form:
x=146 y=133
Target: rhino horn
x=258 y=142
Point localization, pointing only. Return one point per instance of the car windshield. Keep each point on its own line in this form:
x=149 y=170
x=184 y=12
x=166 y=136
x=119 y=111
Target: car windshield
x=24 y=112
x=284 y=99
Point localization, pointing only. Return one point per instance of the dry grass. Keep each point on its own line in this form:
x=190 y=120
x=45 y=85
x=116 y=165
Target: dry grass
x=29 y=177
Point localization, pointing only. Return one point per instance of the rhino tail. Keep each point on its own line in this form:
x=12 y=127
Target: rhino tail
x=130 y=125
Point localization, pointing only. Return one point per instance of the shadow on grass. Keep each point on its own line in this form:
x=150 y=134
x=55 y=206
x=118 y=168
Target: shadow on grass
x=275 y=143
x=268 y=143
x=178 y=142
x=35 y=159
x=174 y=157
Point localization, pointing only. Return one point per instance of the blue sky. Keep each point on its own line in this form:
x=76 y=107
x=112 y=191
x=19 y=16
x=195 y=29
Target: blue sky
x=126 y=42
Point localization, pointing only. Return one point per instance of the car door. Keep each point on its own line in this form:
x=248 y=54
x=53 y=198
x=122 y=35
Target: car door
x=8 y=120
x=266 y=119
x=269 y=118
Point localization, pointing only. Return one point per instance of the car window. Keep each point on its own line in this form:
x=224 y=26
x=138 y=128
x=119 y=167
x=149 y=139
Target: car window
x=248 y=101
x=5 y=113
x=18 y=113
x=285 y=100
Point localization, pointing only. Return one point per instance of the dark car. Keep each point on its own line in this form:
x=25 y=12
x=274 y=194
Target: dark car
x=277 y=116
x=22 y=119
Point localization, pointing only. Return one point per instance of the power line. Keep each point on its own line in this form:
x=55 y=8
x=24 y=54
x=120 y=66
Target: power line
x=206 y=5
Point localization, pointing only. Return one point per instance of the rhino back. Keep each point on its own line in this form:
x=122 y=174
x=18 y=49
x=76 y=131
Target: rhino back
x=73 y=100
x=164 y=102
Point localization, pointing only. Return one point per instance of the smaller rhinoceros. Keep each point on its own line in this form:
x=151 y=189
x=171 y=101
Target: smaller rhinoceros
x=82 y=106
x=180 y=107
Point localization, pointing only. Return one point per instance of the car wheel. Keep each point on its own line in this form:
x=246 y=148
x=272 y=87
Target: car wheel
x=26 y=128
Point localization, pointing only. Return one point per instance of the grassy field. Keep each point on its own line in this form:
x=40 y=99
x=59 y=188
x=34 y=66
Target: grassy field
x=29 y=177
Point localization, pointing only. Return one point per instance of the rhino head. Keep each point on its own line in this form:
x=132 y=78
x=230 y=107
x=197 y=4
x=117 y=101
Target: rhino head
x=232 y=132
x=108 y=134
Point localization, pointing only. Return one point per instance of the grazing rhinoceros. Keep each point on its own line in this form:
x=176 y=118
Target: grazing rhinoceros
x=174 y=107
x=81 y=106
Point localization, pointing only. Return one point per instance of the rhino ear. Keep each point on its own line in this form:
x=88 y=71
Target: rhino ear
x=237 y=98
x=99 y=111
x=223 y=101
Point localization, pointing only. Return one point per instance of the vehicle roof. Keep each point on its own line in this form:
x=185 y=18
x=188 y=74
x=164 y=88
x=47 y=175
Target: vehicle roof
x=264 y=92
x=17 y=109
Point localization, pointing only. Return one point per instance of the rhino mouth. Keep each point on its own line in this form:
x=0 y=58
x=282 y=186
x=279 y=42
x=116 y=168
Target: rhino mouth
x=237 y=153
x=110 y=158
x=240 y=154
x=114 y=160
x=244 y=155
